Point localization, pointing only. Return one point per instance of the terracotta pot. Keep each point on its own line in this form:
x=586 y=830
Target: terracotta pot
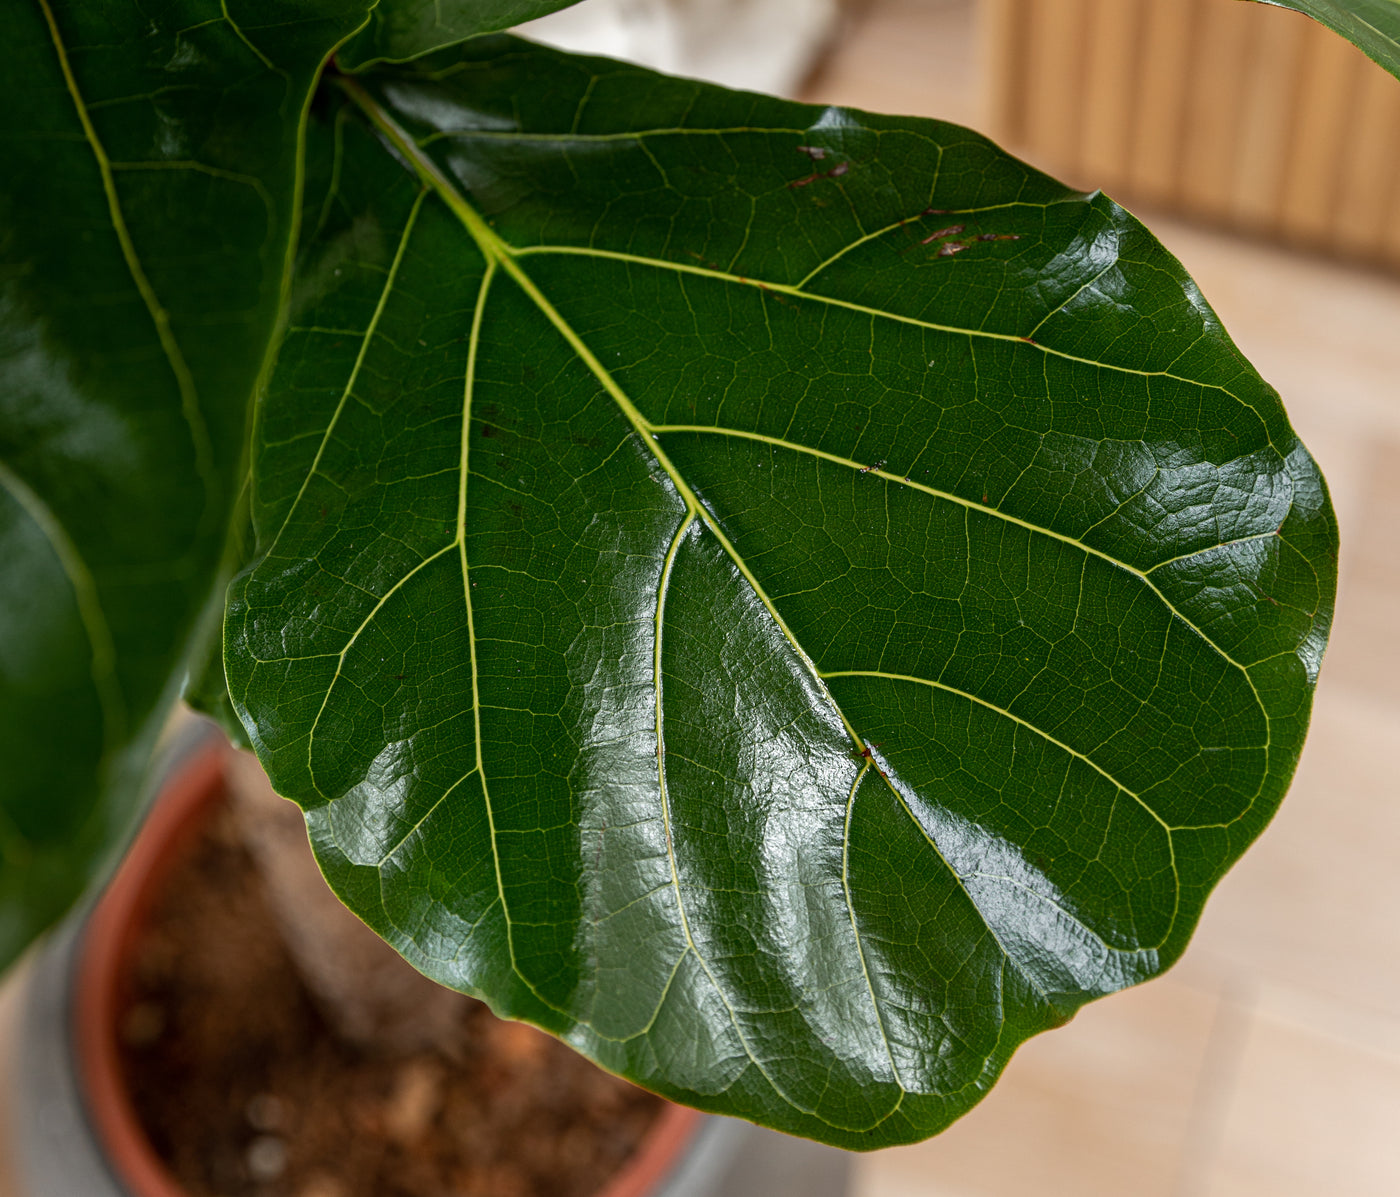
x=114 y=1158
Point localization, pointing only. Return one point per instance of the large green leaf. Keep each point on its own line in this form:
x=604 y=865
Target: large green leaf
x=793 y=601
x=1374 y=25
x=150 y=168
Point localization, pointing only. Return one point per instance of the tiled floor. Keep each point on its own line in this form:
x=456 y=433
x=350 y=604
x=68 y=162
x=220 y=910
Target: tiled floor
x=1267 y=1063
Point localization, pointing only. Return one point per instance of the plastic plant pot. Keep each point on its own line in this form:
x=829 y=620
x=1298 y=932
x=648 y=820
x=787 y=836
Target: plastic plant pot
x=76 y=1129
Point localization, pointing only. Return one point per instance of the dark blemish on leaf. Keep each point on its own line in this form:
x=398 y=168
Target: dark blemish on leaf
x=949 y=248
x=998 y=236
x=864 y=753
x=951 y=231
x=1029 y=341
x=879 y=465
x=815 y=152
x=487 y=430
x=834 y=173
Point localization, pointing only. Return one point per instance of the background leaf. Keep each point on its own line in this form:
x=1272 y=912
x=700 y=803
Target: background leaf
x=793 y=601
x=1373 y=25
x=150 y=170
x=402 y=29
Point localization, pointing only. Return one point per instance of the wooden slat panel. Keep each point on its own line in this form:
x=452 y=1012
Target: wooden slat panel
x=1266 y=116
x=1054 y=81
x=1111 y=89
x=1311 y=186
x=1154 y=157
x=1222 y=57
x=1389 y=249
x=1238 y=113
x=1366 y=207
x=1002 y=48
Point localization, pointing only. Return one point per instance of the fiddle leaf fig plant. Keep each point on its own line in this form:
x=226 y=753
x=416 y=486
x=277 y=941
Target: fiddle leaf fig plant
x=792 y=601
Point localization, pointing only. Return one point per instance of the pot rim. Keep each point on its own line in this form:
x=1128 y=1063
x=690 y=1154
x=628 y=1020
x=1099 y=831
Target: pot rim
x=174 y=819
x=176 y=816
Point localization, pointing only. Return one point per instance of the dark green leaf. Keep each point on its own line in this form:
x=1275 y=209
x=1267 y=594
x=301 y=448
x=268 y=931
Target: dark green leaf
x=402 y=29
x=793 y=601
x=150 y=171
x=1374 y=25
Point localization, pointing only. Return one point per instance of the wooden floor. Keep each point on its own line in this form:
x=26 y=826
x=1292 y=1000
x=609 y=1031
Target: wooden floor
x=1267 y=1063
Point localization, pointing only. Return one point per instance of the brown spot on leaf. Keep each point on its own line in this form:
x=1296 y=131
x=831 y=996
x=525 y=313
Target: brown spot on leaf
x=951 y=231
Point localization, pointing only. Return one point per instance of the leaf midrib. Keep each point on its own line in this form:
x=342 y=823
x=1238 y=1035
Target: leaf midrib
x=496 y=252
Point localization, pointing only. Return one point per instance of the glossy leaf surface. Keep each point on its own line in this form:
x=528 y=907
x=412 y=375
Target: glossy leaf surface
x=793 y=601
x=1373 y=25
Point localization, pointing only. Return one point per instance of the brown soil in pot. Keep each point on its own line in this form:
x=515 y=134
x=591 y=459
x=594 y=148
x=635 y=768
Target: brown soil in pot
x=245 y=1092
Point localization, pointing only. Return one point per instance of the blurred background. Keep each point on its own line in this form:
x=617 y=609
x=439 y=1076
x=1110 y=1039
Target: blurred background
x=1265 y=153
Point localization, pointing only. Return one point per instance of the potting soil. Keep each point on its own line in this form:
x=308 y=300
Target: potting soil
x=246 y=1092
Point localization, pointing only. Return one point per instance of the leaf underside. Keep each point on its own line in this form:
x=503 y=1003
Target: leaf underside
x=791 y=600
x=1372 y=25
x=398 y=30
